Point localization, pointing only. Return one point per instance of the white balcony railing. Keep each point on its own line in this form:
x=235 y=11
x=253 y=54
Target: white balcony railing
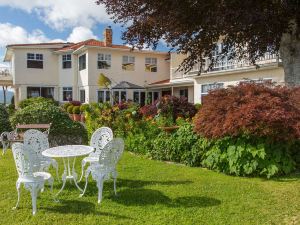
x=225 y=65
x=5 y=71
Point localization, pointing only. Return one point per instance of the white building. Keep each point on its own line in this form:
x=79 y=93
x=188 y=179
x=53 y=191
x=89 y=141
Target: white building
x=68 y=71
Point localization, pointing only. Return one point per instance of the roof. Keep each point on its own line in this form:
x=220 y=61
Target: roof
x=167 y=81
x=34 y=44
x=127 y=85
x=91 y=42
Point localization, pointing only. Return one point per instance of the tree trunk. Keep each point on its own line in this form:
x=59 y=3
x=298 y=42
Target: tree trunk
x=290 y=55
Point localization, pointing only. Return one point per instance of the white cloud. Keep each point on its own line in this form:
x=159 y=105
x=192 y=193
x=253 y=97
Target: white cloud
x=10 y=34
x=80 y=34
x=59 y=14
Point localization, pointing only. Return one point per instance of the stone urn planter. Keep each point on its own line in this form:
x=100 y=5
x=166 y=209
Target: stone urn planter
x=76 y=117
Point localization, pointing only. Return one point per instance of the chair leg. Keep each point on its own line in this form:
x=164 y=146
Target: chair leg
x=18 y=186
x=114 y=175
x=55 y=165
x=100 y=188
x=82 y=170
x=34 y=191
x=50 y=182
x=86 y=183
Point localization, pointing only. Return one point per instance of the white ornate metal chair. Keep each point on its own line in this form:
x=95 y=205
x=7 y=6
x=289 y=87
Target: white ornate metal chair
x=106 y=166
x=99 y=139
x=33 y=181
x=36 y=142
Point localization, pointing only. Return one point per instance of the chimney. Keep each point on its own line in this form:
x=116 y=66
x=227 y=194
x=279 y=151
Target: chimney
x=107 y=36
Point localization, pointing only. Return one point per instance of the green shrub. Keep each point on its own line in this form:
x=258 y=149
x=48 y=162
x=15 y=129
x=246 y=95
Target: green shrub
x=70 y=109
x=66 y=105
x=36 y=100
x=4 y=119
x=245 y=156
x=62 y=125
x=76 y=110
x=84 y=107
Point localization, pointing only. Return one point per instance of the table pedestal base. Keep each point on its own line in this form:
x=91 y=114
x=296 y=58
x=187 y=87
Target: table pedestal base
x=69 y=175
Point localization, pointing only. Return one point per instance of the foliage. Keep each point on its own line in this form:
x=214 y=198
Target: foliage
x=75 y=103
x=49 y=113
x=76 y=110
x=66 y=105
x=4 y=119
x=36 y=100
x=256 y=110
x=70 y=109
x=246 y=156
x=103 y=81
x=252 y=28
x=84 y=107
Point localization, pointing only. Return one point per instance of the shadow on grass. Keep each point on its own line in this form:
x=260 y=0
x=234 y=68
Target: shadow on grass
x=140 y=197
x=79 y=207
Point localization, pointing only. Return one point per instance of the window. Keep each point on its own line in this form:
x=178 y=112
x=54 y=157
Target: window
x=103 y=96
x=82 y=62
x=67 y=93
x=34 y=61
x=139 y=97
x=67 y=61
x=82 y=96
x=152 y=96
x=184 y=93
x=257 y=81
x=128 y=63
x=46 y=92
x=119 y=96
x=151 y=64
x=205 y=88
x=104 y=61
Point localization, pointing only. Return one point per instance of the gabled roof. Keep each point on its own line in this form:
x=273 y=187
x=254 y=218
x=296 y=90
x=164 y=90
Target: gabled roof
x=127 y=85
x=91 y=42
x=167 y=81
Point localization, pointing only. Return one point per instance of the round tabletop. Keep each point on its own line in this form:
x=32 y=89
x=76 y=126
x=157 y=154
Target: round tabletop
x=68 y=151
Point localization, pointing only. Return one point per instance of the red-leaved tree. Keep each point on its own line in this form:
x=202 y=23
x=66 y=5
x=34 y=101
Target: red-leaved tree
x=254 y=109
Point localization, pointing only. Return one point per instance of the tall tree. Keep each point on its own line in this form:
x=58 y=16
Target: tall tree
x=193 y=27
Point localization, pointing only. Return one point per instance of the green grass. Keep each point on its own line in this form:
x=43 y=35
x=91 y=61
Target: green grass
x=152 y=192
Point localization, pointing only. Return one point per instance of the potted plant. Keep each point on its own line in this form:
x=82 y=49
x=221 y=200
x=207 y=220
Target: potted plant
x=70 y=111
x=83 y=109
x=76 y=113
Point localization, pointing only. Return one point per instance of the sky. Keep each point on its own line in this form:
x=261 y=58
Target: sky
x=35 y=21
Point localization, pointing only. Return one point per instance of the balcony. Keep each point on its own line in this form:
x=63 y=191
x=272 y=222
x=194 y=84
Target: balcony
x=6 y=78
x=224 y=65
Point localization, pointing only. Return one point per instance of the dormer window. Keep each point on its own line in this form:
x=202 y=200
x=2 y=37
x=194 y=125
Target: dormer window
x=35 y=61
x=67 y=61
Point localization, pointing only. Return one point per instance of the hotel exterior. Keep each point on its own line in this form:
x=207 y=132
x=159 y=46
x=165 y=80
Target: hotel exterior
x=70 y=71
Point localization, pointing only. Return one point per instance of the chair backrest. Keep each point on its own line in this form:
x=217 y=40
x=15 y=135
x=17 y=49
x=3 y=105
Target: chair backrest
x=100 y=138
x=111 y=153
x=22 y=160
x=35 y=142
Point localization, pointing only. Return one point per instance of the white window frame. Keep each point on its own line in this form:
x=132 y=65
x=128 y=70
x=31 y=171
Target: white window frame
x=66 y=58
x=67 y=89
x=152 y=62
x=213 y=86
x=139 y=92
x=126 y=59
x=106 y=58
x=105 y=93
x=120 y=92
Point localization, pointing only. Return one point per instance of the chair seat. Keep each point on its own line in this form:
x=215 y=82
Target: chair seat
x=44 y=175
x=91 y=159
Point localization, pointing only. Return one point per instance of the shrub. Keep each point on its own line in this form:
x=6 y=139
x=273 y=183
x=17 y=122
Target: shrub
x=4 y=119
x=36 y=100
x=62 y=126
x=76 y=110
x=84 y=107
x=251 y=109
x=66 y=105
x=70 y=109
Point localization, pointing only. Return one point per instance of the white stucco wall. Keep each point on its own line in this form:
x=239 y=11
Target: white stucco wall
x=233 y=78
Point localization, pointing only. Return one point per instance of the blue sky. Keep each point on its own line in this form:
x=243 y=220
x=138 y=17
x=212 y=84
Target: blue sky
x=32 y=21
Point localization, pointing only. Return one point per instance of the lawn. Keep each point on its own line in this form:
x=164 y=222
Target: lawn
x=153 y=192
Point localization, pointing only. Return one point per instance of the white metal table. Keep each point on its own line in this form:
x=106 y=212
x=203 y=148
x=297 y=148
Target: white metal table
x=67 y=153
